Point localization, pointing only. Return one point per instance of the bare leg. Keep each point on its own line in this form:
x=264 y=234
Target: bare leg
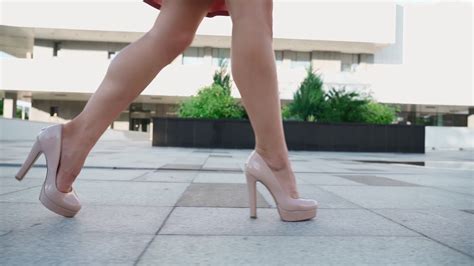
x=254 y=72
x=127 y=76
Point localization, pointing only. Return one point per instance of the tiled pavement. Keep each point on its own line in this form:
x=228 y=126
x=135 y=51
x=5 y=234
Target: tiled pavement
x=164 y=205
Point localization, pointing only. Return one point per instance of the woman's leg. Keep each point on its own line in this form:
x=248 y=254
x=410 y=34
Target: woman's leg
x=127 y=76
x=254 y=72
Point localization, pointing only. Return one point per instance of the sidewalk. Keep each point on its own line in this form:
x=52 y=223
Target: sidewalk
x=164 y=205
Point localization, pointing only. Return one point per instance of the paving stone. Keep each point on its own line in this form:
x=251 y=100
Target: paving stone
x=401 y=197
x=468 y=190
x=324 y=198
x=281 y=250
x=122 y=193
x=34 y=172
x=431 y=178
x=372 y=180
x=181 y=166
x=452 y=227
x=218 y=195
x=185 y=176
x=119 y=219
x=110 y=174
x=236 y=221
x=219 y=177
x=50 y=247
x=325 y=179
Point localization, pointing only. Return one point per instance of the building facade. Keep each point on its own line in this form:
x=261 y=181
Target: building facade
x=414 y=56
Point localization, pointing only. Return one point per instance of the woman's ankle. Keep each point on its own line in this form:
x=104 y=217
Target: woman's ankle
x=276 y=159
x=78 y=135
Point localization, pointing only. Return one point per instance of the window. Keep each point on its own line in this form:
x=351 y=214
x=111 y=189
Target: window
x=220 y=54
x=53 y=110
x=301 y=59
x=193 y=55
x=279 y=57
x=349 y=62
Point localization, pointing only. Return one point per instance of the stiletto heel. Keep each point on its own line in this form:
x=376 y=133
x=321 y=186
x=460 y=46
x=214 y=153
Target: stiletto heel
x=289 y=209
x=252 y=188
x=48 y=141
x=30 y=160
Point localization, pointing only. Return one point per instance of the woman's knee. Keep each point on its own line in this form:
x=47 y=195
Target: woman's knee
x=173 y=42
x=258 y=13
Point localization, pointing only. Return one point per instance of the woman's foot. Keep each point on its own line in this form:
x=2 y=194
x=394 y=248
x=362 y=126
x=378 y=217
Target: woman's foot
x=281 y=167
x=74 y=151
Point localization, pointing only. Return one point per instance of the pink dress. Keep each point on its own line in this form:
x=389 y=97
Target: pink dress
x=217 y=8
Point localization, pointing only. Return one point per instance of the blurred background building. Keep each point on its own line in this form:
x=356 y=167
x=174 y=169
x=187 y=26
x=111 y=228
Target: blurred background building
x=417 y=56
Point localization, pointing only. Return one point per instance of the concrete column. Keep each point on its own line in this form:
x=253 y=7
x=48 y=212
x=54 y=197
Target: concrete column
x=470 y=118
x=9 y=105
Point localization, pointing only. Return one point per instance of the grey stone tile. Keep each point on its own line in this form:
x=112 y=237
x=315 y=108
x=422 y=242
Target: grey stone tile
x=50 y=247
x=236 y=221
x=468 y=190
x=222 y=166
x=401 y=197
x=110 y=174
x=118 y=219
x=325 y=179
x=219 y=177
x=325 y=199
x=372 y=180
x=34 y=172
x=121 y=193
x=181 y=166
x=9 y=185
x=185 y=176
x=218 y=195
x=220 y=156
x=281 y=250
x=452 y=227
x=433 y=178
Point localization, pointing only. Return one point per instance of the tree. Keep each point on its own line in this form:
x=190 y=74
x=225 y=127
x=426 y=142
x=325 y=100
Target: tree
x=309 y=100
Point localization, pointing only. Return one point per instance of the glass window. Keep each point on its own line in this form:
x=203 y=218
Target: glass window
x=301 y=59
x=279 y=57
x=220 y=54
x=193 y=55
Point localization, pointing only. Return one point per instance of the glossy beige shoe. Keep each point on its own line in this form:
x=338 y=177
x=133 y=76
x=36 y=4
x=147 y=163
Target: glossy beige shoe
x=48 y=141
x=289 y=209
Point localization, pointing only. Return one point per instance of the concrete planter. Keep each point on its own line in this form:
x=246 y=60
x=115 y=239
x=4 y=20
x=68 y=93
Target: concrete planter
x=233 y=133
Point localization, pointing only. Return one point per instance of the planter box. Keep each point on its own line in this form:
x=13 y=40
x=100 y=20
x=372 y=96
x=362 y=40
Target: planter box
x=238 y=134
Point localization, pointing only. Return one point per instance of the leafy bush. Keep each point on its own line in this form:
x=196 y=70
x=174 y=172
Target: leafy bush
x=377 y=113
x=214 y=101
x=308 y=100
x=312 y=103
x=211 y=102
x=344 y=106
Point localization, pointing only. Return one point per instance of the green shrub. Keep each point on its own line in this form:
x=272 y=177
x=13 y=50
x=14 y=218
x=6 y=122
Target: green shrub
x=214 y=101
x=308 y=101
x=344 y=106
x=377 y=113
x=211 y=102
x=312 y=103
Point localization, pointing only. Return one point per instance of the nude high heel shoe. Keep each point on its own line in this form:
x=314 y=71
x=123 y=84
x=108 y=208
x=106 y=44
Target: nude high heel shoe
x=48 y=141
x=289 y=209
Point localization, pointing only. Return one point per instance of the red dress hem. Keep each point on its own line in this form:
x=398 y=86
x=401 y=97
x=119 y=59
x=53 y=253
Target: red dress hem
x=222 y=11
